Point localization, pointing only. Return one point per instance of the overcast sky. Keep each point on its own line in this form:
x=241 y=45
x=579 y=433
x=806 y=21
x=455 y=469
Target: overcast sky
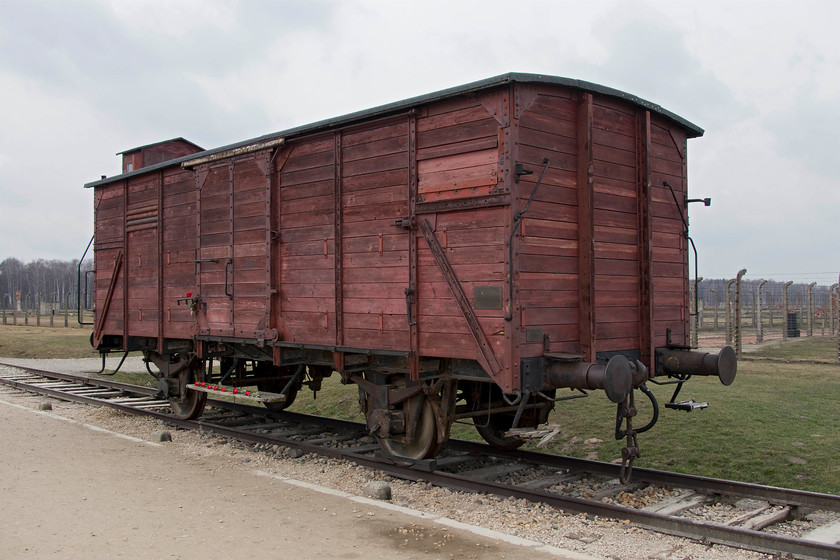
x=83 y=80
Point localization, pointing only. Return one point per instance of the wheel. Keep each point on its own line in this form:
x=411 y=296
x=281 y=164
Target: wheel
x=492 y=428
x=425 y=441
x=191 y=404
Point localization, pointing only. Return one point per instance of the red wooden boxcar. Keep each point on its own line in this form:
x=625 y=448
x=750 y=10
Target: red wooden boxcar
x=463 y=254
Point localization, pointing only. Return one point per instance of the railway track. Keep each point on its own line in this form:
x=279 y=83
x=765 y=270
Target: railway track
x=717 y=511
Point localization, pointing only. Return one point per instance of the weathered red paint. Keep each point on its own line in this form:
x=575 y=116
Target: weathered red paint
x=317 y=241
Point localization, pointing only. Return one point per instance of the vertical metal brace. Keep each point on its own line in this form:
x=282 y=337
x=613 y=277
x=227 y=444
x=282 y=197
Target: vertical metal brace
x=414 y=328
x=644 y=235
x=695 y=335
x=586 y=226
x=517 y=221
x=338 y=253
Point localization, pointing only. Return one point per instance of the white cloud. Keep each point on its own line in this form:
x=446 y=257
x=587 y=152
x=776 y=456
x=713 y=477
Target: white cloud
x=83 y=80
x=176 y=18
x=46 y=212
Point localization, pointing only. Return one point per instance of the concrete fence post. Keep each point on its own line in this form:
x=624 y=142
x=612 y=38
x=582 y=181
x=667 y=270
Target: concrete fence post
x=66 y=310
x=833 y=301
x=738 y=311
x=759 y=333
x=785 y=308
x=728 y=316
x=770 y=308
x=701 y=315
x=811 y=308
x=826 y=315
x=715 y=308
x=837 y=317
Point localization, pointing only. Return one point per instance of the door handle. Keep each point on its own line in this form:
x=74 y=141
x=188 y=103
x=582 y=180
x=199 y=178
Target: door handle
x=228 y=265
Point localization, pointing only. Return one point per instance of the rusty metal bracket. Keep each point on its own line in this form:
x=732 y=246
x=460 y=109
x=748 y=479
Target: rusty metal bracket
x=409 y=292
x=520 y=171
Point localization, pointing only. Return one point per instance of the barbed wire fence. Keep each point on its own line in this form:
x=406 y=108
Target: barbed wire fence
x=45 y=292
x=738 y=310
x=745 y=311
x=43 y=311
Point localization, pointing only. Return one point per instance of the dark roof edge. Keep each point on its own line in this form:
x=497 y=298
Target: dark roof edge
x=396 y=106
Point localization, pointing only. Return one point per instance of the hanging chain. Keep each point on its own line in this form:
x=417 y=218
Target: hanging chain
x=626 y=411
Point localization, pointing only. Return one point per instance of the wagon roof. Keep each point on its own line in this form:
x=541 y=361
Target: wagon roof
x=383 y=110
x=179 y=139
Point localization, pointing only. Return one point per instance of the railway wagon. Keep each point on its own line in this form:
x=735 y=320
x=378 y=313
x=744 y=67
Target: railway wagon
x=475 y=254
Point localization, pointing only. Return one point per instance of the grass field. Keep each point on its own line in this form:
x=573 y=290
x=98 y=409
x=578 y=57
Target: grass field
x=778 y=424
x=45 y=342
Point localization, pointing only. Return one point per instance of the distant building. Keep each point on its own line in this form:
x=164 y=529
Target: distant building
x=50 y=308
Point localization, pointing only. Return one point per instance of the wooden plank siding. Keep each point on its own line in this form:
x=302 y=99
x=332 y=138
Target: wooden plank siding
x=669 y=245
x=142 y=250
x=305 y=210
x=457 y=149
x=552 y=282
x=109 y=243
x=373 y=196
x=617 y=260
x=473 y=243
x=180 y=239
x=548 y=259
x=459 y=152
x=318 y=237
x=251 y=222
x=215 y=239
x=233 y=237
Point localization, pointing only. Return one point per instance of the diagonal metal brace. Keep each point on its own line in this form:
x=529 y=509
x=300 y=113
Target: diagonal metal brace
x=488 y=358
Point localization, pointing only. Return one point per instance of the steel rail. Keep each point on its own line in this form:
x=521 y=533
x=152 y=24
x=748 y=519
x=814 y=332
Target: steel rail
x=772 y=494
x=426 y=471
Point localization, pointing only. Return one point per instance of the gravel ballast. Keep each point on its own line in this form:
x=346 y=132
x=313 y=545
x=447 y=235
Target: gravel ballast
x=591 y=536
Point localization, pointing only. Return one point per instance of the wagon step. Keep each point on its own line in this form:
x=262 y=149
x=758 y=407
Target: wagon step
x=688 y=406
x=237 y=393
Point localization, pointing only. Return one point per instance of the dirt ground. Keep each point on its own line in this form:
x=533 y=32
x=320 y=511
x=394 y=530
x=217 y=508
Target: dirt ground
x=71 y=491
